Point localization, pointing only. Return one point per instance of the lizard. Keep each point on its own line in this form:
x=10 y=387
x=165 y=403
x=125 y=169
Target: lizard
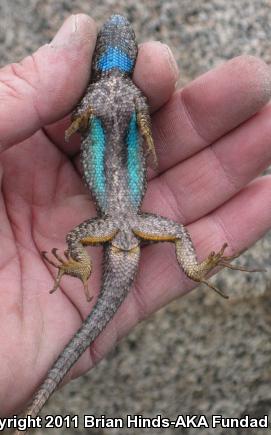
x=114 y=121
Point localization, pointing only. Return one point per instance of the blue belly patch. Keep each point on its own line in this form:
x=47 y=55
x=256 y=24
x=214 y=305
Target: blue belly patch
x=97 y=157
x=134 y=161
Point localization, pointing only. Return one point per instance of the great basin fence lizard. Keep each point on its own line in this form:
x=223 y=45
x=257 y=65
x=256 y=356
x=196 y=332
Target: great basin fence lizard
x=113 y=119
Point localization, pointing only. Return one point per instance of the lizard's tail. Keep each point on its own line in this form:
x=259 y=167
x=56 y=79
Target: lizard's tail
x=119 y=271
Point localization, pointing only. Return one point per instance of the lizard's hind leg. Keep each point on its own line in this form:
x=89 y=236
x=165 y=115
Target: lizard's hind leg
x=155 y=228
x=77 y=262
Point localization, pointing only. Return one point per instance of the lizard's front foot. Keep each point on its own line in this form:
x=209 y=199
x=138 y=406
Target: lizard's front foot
x=79 y=123
x=79 y=268
x=213 y=260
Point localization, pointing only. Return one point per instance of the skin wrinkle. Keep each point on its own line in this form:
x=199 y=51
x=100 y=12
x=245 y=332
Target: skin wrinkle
x=182 y=102
x=5 y=209
x=21 y=296
x=172 y=120
x=77 y=168
x=39 y=342
x=34 y=67
x=54 y=199
x=7 y=86
x=159 y=138
x=184 y=284
x=15 y=227
x=7 y=262
x=172 y=65
x=232 y=183
x=59 y=144
x=11 y=380
x=33 y=233
x=66 y=161
x=138 y=296
x=31 y=207
x=95 y=355
x=217 y=218
x=17 y=69
x=161 y=183
x=39 y=354
x=217 y=222
x=179 y=194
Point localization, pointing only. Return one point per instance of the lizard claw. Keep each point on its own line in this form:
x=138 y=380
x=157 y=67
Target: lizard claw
x=69 y=266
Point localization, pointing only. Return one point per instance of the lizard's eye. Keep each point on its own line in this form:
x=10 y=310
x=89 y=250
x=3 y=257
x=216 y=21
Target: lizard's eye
x=116 y=47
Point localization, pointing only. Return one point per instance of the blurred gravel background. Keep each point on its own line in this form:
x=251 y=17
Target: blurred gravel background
x=201 y=354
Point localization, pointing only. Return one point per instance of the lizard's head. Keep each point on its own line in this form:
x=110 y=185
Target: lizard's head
x=116 y=48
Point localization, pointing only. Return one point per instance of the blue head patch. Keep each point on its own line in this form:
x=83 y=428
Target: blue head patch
x=115 y=58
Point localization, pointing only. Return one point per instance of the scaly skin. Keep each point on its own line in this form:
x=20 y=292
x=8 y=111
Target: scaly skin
x=114 y=121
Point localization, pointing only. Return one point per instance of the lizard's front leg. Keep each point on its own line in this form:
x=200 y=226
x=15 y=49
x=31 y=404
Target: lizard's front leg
x=79 y=123
x=159 y=229
x=77 y=262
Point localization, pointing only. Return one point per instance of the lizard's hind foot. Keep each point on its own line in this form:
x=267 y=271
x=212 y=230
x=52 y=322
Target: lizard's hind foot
x=217 y=259
x=79 y=268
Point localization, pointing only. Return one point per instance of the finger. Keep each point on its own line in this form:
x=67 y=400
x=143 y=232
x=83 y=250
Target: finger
x=206 y=180
x=156 y=73
x=209 y=107
x=37 y=91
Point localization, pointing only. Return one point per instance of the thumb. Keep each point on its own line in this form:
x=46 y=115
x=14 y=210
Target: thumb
x=40 y=89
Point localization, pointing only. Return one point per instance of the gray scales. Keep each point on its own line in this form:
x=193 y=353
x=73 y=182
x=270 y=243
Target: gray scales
x=113 y=119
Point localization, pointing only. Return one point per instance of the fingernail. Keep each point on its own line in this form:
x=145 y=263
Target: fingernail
x=75 y=27
x=172 y=62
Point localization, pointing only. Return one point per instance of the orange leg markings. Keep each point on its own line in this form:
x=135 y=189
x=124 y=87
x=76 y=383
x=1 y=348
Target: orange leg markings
x=155 y=237
x=92 y=240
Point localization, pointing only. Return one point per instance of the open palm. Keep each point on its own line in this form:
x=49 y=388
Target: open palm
x=212 y=138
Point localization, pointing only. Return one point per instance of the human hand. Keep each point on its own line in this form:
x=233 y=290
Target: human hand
x=212 y=140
